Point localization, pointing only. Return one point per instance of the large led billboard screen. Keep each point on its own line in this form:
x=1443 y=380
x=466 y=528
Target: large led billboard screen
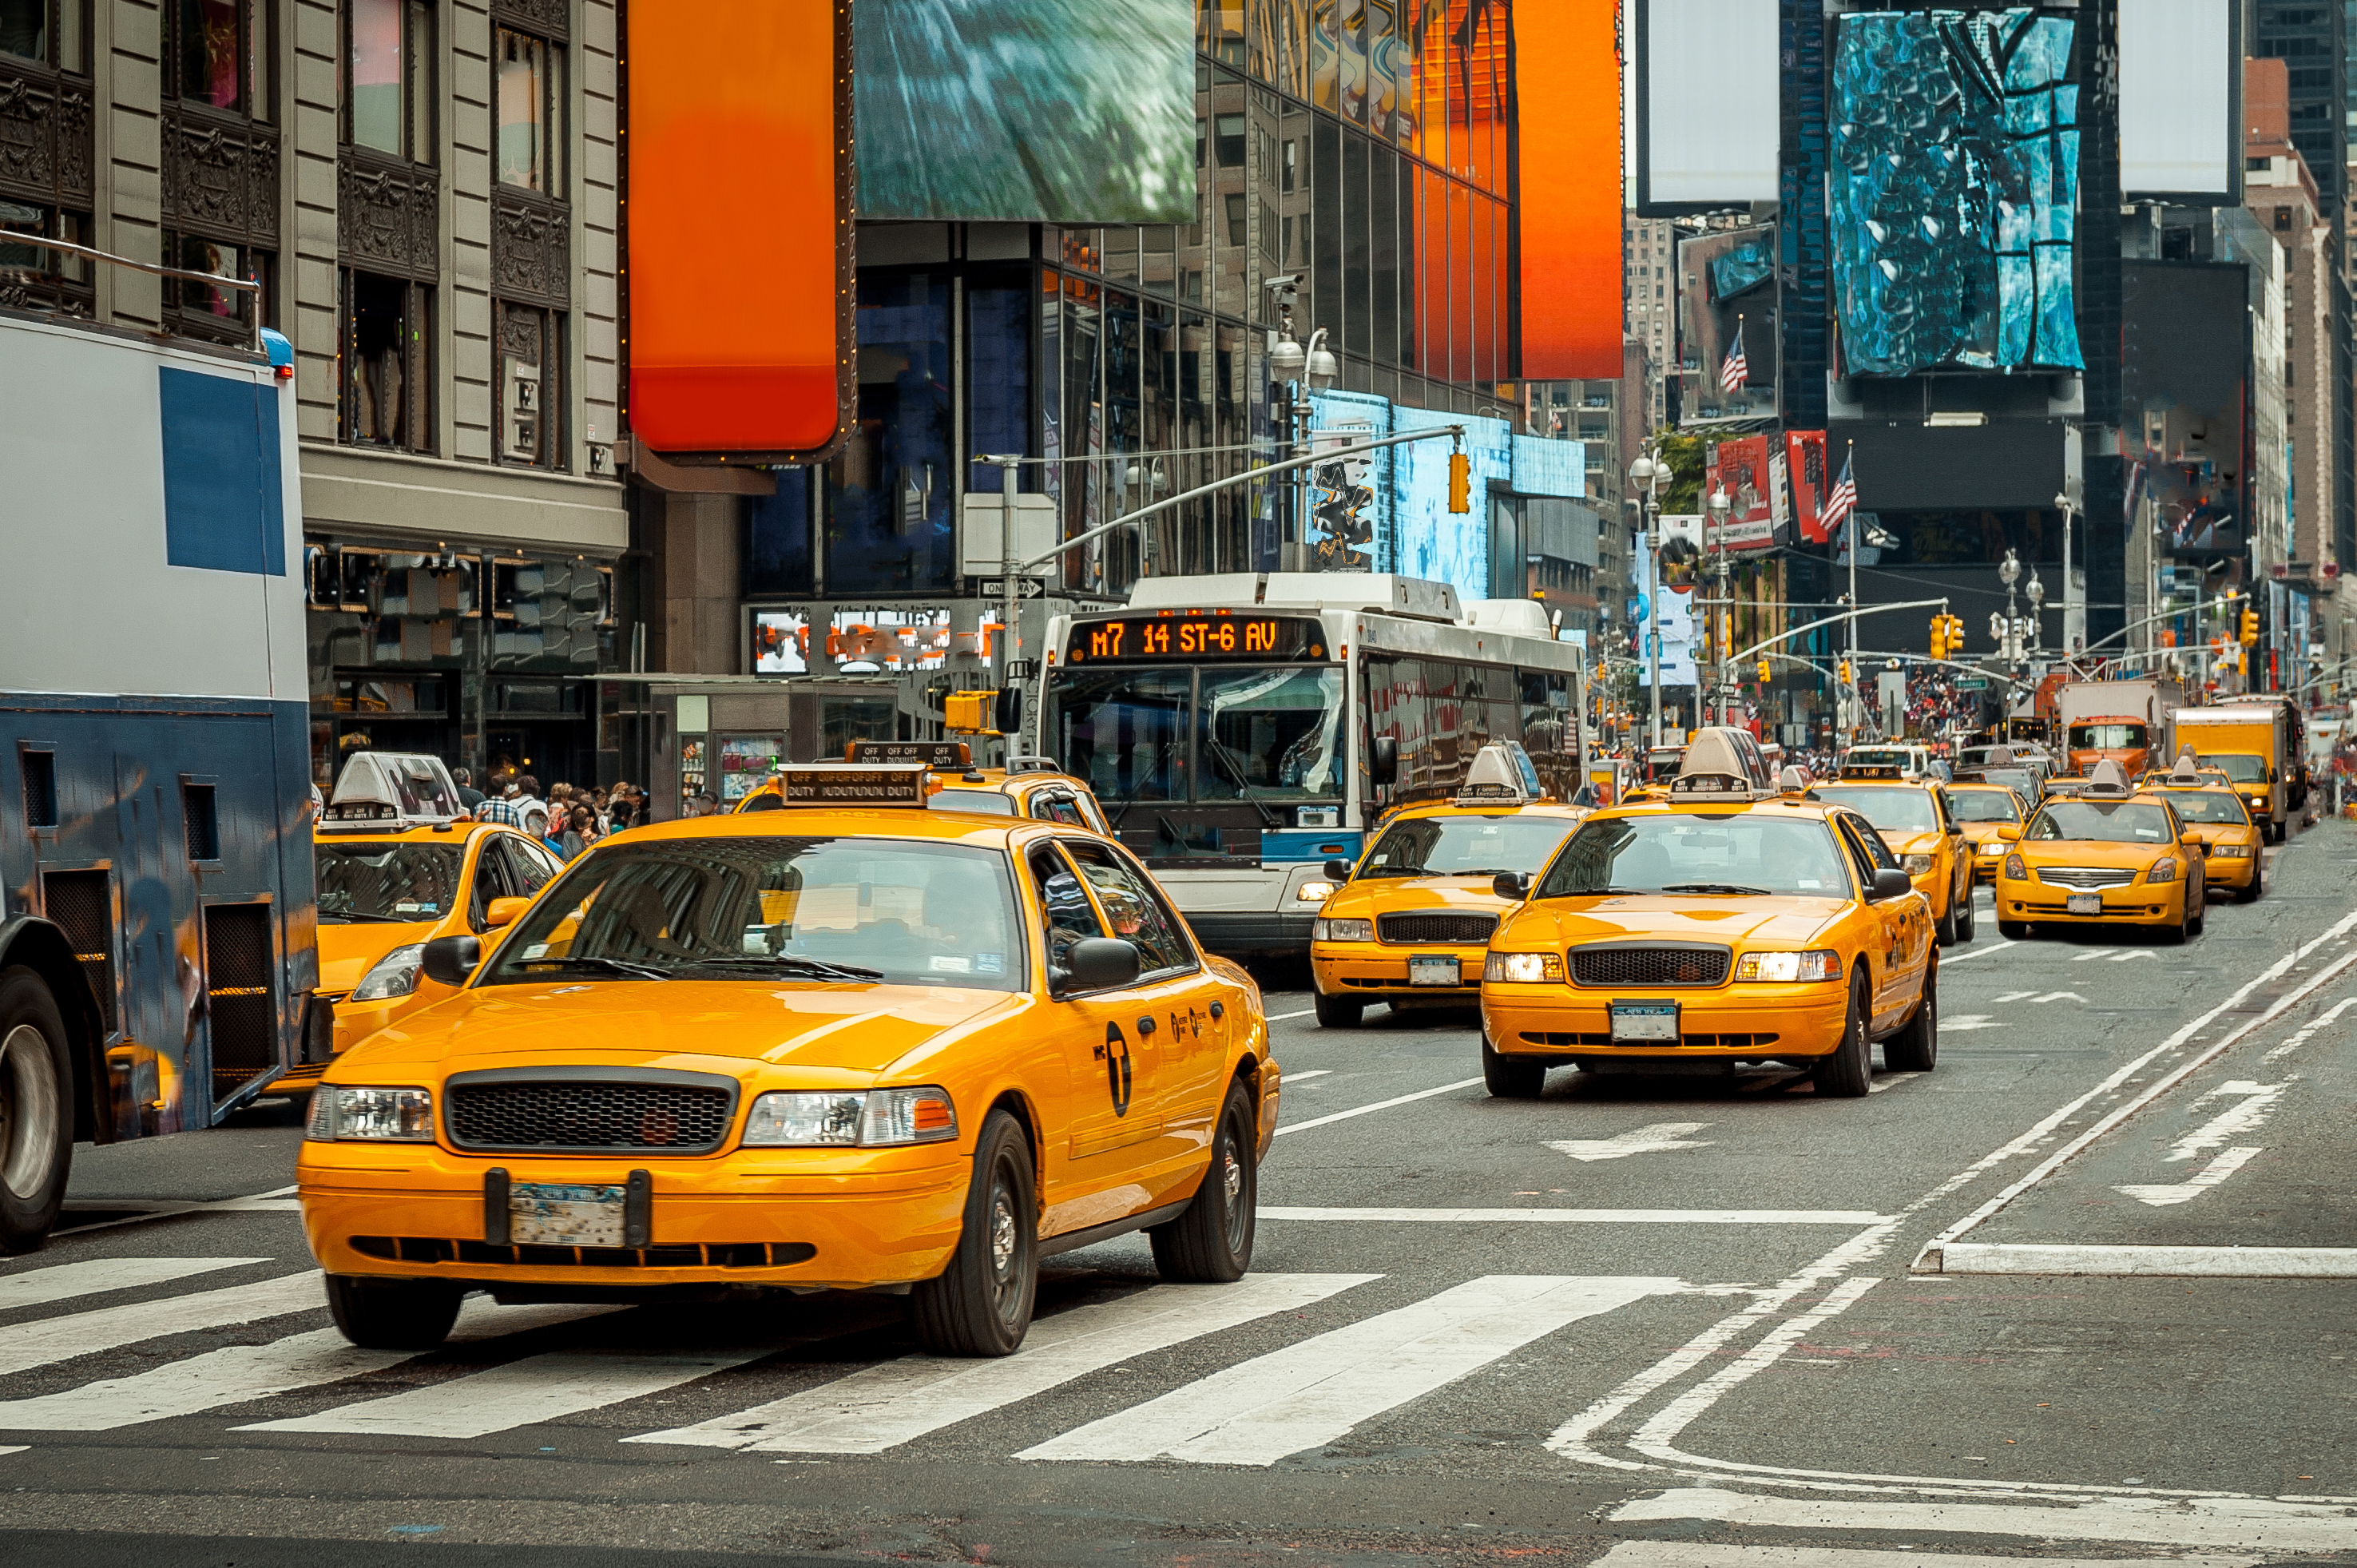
x=1029 y=111
x=2180 y=111
x=2185 y=330
x=1709 y=121
x=1565 y=57
x=1954 y=191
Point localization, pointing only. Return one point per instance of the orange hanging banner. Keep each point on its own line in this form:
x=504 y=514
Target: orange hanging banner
x=736 y=213
x=1568 y=208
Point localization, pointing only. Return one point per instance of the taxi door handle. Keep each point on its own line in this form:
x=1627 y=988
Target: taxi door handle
x=1145 y=1025
x=1219 y=1010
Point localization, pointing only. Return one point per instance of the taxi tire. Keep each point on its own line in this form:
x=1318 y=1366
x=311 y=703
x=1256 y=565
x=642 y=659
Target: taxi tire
x=1849 y=1070
x=1968 y=920
x=1338 y=1012
x=1916 y=1046
x=1212 y=1241
x=975 y=1307
x=1944 y=930
x=36 y=1110
x=1511 y=1078
x=2013 y=930
x=2250 y=894
x=393 y=1314
x=2199 y=897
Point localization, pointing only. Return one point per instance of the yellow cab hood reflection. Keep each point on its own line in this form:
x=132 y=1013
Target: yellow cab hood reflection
x=1775 y=921
x=830 y=1030
x=1396 y=895
x=349 y=947
x=2093 y=851
x=1907 y=841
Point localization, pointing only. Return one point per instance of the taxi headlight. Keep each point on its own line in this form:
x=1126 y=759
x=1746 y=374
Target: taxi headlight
x=1820 y=964
x=850 y=1119
x=1916 y=865
x=1314 y=892
x=1993 y=846
x=2231 y=851
x=384 y=1115
x=395 y=974
x=1523 y=968
x=2162 y=871
x=2015 y=870
x=1342 y=930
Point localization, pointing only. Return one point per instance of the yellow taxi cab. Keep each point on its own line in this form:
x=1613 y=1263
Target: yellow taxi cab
x=850 y=1044
x=1031 y=787
x=1408 y=925
x=1979 y=809
x=1731 y=924
x=2234 y=842
x=2108 y=854
x=1915 y=820
x=398 y=864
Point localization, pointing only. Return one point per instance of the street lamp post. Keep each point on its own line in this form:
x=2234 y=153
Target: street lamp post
x=1722 y=601
x=1644 y=478
x=1302 y=371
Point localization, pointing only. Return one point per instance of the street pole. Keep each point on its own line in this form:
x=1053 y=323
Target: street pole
x=1008 y=636
x=1653 y=606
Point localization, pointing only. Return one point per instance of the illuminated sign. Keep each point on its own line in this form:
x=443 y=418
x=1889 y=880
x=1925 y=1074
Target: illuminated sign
x=947 y=755
x=844 y=784
x=1135 y=640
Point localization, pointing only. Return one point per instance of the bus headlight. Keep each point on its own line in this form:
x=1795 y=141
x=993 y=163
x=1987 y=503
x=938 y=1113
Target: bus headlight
x=384 y=1115
x=395 y=974
x=1342 y=930
x=1821 y=963
x=1523 y=968
x=1314 y=892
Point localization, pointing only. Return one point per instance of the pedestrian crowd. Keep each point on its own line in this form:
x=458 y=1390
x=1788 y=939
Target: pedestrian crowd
x=570 y=819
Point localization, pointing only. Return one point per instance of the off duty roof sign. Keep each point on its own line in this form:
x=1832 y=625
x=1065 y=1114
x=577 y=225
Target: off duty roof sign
x=854 y=784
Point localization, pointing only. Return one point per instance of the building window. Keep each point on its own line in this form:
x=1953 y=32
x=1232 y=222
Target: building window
x=218 y=54
x=384 y=362
x=531 y=382
x=527 y=93
x=54 y=32
x=389 y=78
x=35 y=277
x=201 y=309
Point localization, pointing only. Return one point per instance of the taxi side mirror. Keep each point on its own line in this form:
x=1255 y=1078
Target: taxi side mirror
x=1337 y=871
x=1889 y=883
x=2009 y=832
x=1382 y=761
x=1095 y=963
x=451 y=960
x=504 y=912
x=1514 y=885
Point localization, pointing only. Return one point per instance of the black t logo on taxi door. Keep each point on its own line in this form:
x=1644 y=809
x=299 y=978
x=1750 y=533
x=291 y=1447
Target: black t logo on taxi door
x=1117 y=1071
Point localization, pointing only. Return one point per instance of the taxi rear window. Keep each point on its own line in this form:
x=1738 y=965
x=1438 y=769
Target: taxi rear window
x=988 y=802
x=2210 y=806
x=1983 y=806
x=891 y=911
x=1466 y=847
x=1893 y=810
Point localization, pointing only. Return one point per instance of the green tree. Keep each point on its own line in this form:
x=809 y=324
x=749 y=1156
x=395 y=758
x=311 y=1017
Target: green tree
x=1681 y=491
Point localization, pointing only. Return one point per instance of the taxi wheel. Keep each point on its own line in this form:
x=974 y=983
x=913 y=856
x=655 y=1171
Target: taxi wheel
x=2013 y=930
x=2258 y=878
x=1967 y=919
x=1945 y=928
x=2199 y=897
x=1212 y=1241
x=980 y=1305
x=1338 y=1012
x=1850 y=1069
x=1512 y=1078
x=1916 y=1048
x=393 y=1314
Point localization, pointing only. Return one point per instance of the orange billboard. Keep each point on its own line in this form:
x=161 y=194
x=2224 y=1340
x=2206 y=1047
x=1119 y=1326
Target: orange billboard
x=737 y=206
x=1567 y=82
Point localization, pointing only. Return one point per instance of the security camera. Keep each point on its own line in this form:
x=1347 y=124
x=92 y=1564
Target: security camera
x=1288 y=284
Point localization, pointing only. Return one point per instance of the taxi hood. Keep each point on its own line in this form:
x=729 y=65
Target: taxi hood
x=842 y=1035
x=1397 y=894
x=348 y=949
x=1684 y=918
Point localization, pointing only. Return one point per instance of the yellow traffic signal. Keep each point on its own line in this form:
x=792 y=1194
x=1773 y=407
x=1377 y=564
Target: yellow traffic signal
x=2250 y=626
x=1939 y=636
x=2242 y=661
x=1726 y=635
x=1460 y=482
x=1763 y=671
x=1844 y=672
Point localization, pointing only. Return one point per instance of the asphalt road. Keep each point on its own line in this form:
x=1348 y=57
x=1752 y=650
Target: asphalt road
x=2084 y=1292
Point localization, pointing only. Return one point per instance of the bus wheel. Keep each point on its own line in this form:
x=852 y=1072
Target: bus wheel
x=36 y=1111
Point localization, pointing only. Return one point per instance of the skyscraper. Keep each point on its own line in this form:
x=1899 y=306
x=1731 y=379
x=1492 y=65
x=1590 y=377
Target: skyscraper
x=2311 y=39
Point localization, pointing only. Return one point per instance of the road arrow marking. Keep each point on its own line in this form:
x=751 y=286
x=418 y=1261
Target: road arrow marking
x=2091 y=957
x=2060 y=996
x=1643 y=1141
x=2124 y=957
x=1964 y=1023
x=2013 y=996
x=2257 y=1099
x=2208 y=1177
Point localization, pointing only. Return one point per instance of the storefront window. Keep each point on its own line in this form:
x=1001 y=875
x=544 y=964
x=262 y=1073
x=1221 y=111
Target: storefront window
x=220 y=50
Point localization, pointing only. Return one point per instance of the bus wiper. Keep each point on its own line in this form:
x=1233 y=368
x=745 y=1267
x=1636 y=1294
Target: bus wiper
x=381 y=919
x=1268 y=818
x=1161 y=756
x=600 y=961
x=1736 y=888
x=817 y=968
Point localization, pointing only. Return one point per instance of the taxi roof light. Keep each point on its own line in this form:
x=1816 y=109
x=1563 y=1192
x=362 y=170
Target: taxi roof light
x=1501 y=775
x=396 y=789
x=947 y=755
x=839 y=784
x=2106 y=781
x=1722 y=764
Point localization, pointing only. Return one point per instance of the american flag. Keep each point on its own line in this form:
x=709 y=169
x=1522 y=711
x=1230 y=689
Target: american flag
x=1841 y=504
x=1736 y=370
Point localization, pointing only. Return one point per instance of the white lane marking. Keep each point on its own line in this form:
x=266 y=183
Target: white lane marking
x=1307 y=1394
x=7 y=1448
x=38 y=1287
x=1314 y=1072
x=275 y=1201
x=1698 y=1554
x=1281 y=1017
x=530 y=1392
x=1650 y=1140
x=884 y=1406
x=2009 y=996
x=1655 y=1436
x=2251 y=1524
x=1965 y=1023
x=2221 y=1262
x=1893 y=1079
x=1585 y=1216
x=2194 y=1185
x=2126 y=957
x=1378 y=1105
x=2308 y=1031
x=2057 y=996
x=2256 y=1100
x=1979 y=949
x=2093 y=954
x=52 y=1340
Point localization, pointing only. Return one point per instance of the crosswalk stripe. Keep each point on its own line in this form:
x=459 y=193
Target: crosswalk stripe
x=1257 y=1412
x=238 y=1373
x=529 y=1392
x=52 y=1340
x=884 y=1406
x=38 y=1287
x=1701 y=1554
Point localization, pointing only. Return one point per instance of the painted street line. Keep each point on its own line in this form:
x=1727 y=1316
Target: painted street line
x=1891 y=1079
x=2257 y=1100
x=2222 y=1262
x=2157 y=1521
x=1585 y=1216
x=2058 y=996
x=2092 y=955
x=1965 y=1023
x=884 y=1406
x=2008 y=997
x=1309 y=1394
x=8 y=1448
x=1697 y=1555
x=2129 y=957
x=229 y=1375
x=2330 y=1015
x=1661 y=1135
x=1978 y=950
x=54 y=1339
x=2194 y=1185
x=1314 y=1072
x=1281 y=1017
x=1378 y=1105
x=38 y=1287
x=530 y=1392
x=1655 y=1436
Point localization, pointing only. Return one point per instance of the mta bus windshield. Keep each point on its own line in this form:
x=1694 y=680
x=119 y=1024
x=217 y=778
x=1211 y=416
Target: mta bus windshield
x=1220 y=733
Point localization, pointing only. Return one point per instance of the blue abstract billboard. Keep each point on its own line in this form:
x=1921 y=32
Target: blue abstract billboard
x=1954 y=191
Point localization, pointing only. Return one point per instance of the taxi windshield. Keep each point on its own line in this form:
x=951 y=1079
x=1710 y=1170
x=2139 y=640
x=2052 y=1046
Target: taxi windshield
x=775 y=909
x=1983 y=806
x=2240 y=766
x=1738 y=853
x=1894 y=810
x=2104 y=821
x=1466 y=847
x=2015 y=778
x=385 y=881
x=2210 y=806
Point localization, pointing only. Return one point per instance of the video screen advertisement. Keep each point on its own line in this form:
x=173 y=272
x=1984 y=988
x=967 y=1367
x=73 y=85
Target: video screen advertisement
x=2185 y=400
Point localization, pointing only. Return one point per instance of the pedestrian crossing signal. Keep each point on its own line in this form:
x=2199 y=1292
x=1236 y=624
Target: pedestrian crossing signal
x=1460 y=483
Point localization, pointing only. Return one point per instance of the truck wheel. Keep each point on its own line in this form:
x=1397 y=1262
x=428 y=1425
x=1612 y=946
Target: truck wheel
x=1338 y=1012
x=980 y=1305
x=393 y=1314
x=1212 y=1241
x=36 y=1110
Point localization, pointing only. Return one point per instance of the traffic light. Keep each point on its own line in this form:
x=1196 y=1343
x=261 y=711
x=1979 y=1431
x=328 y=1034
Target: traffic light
x=2250 y=626
x=970 y=713
x=1460 y=482
x=1726 y=635
x=1939 y=636
x=1844 y=672
x=2242 y=659
x=1763 y=672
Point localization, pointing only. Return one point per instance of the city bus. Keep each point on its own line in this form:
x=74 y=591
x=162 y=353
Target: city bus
x=157 y=955
x=1242 y=730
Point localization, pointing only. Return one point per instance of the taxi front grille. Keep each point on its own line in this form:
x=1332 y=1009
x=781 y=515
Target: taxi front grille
x=1651 y=964
x=1461 y=931
x=641 y=1111
x=684 y=1255
x=2086 y=878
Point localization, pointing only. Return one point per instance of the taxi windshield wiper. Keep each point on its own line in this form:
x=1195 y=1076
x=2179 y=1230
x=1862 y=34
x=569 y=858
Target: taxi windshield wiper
x=600 y=961
x=1735 y=888
x=818 y=968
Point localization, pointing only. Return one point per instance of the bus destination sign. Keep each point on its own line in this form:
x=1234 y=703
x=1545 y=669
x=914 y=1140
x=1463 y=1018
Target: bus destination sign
x=1159 y=639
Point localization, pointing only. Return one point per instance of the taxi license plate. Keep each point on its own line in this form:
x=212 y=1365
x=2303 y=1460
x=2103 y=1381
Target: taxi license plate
x=1647 y=1021
x=2085 y=903
x=1434 y=972
x=544 y=1215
